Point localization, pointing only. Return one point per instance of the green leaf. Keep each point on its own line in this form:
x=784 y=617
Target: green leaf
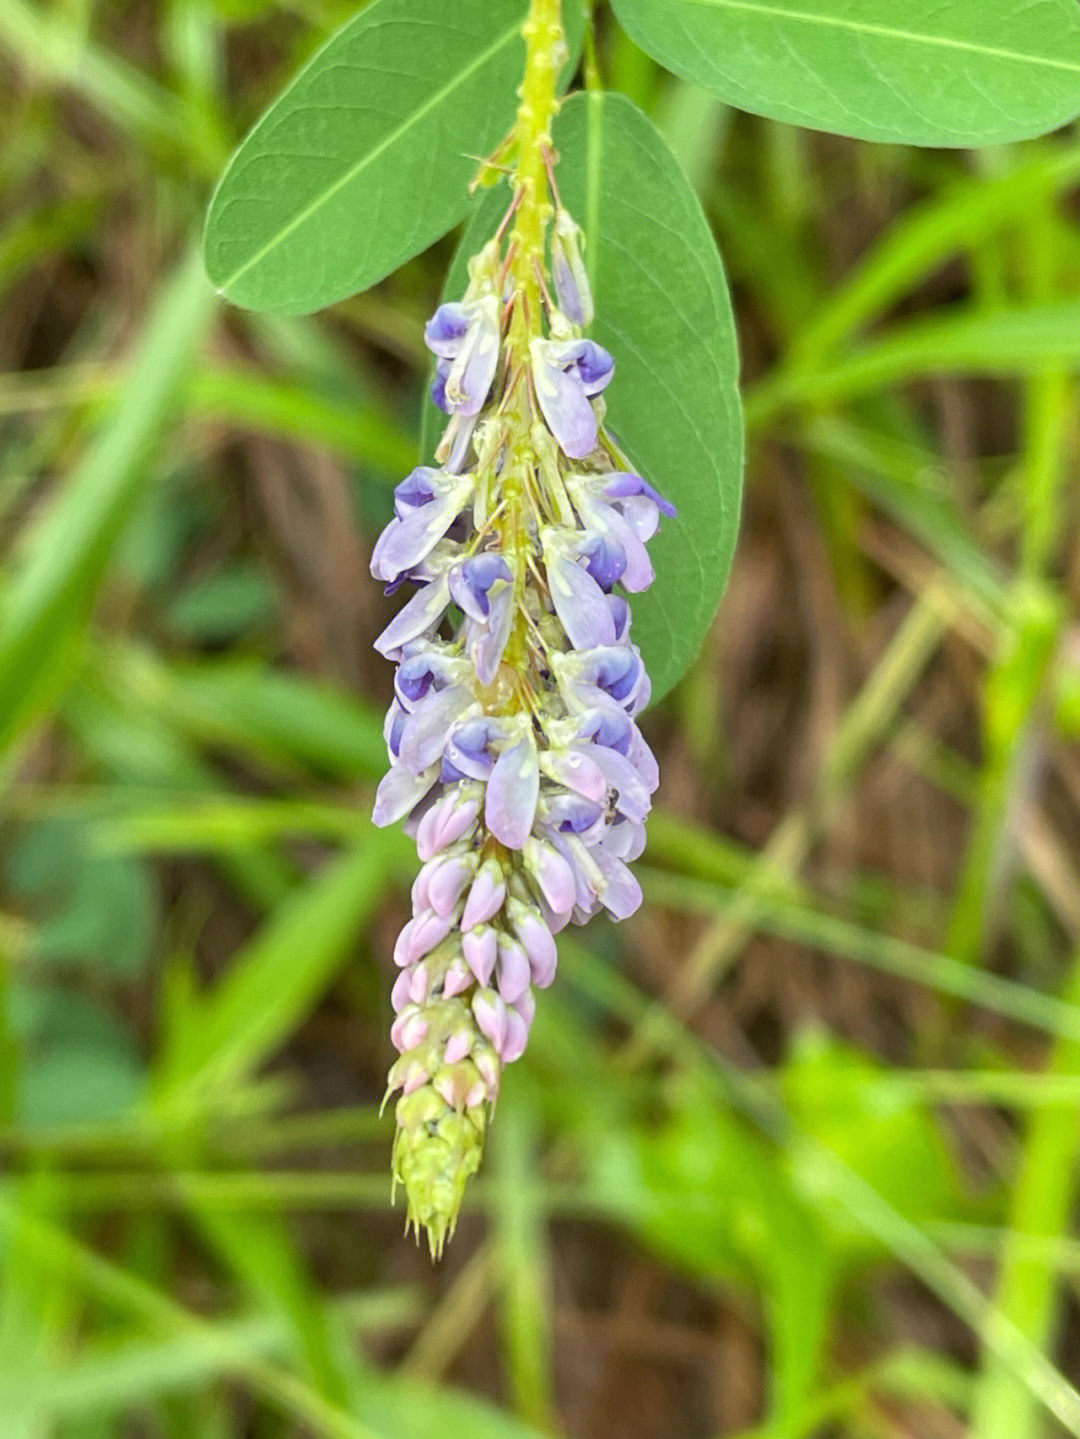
x=79 y=1085
x=277 y=977
x=713 y=1198
x=79 y=1062
x=46 y=602
x=956 y=340
x=366 y=158
x=89 y=909
x=243 y=706
x=973 y=73
x=662 y=309
x=219 y=608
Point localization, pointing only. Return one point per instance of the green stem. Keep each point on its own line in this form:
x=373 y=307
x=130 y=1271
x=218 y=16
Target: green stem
x=545 y=53
x=1028 y=1292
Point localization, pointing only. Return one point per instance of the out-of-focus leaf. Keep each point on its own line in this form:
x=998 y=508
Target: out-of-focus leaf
x=972 y=72
x=892 y=1143
x=964 y=341
x=77 y=1062
x=140 y=752
x=272 y=713
x=89 y=908
x=77 y=1084
x=706 y=1193
x=524 y=1259
x=35 y=1305
x=350 y=425
x=259 y=1251
x=958 y=218
x=110 y=1378
x=224 y=605
x=53 y=44
x=44 y=605
x=367 y=156
x=25 y=242
x=275 y=979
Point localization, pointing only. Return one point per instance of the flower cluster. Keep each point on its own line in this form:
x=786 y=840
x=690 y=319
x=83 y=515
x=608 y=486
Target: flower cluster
x=514 y=756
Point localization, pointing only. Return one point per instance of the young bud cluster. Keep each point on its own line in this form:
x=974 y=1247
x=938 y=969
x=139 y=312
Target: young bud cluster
x=514 y=756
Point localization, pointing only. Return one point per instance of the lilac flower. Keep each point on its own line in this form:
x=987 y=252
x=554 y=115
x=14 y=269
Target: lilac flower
x=567 y=374
x=465 y=337
x=515 y=758
x=409 y=539
x=568 y=272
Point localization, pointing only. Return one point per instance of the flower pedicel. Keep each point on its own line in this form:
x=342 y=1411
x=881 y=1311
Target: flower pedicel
x=514 y=757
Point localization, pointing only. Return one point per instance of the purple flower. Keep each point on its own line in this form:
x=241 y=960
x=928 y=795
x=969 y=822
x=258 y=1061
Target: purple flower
x=568 y=272
x=465 y=337
x=621 y=484
x=471 y=582
x=606 y=560
x=514 y=757
x=417 y=489
x=580 y=603
x=567 y=374
x=408 y=540
x=399 y=792
x=512 y=791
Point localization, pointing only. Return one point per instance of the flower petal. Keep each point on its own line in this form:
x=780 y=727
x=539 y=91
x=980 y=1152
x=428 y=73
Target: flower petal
x=565 y=405
x=399 y=792
x=420 y=616
x=512 y=792
x=424 y=737
x=446 y=329
x=580 y=603
x=405 y=542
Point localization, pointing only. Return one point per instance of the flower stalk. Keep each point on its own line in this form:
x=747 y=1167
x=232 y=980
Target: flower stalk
x=514 y=757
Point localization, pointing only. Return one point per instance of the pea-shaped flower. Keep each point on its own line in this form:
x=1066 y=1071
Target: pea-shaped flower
x=515 y=759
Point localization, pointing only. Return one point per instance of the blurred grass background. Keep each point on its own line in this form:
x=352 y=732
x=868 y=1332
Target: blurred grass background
x=792 y=1153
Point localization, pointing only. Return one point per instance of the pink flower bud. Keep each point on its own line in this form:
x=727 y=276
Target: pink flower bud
x=490 y=1012
x=480 y=949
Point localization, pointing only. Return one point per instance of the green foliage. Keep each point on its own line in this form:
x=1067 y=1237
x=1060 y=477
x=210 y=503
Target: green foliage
x=216 y=1040
x=973 y=72
x=45 y=603
x=367 y=156
x=810 y=1119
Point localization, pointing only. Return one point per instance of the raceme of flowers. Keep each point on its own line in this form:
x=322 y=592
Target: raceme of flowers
x=514 y=757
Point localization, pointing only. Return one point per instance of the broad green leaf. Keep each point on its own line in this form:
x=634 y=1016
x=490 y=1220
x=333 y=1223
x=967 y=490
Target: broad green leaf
x=970 y=72
x=662 y=309
x=367 y=156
